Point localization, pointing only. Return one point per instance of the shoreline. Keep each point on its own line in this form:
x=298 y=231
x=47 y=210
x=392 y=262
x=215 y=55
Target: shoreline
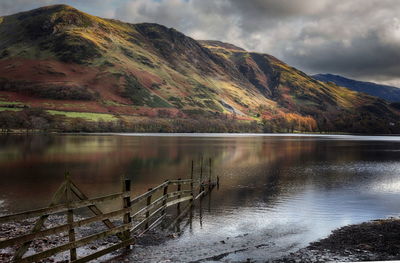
x=204 y=134
x=374 y=240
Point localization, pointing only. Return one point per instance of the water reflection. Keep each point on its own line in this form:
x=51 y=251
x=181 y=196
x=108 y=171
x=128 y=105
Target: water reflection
x=288 y=189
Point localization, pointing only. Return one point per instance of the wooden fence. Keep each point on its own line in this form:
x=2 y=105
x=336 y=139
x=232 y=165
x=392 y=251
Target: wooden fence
x=138 y=216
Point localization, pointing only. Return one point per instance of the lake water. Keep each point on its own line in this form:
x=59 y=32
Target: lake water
x=277 y=192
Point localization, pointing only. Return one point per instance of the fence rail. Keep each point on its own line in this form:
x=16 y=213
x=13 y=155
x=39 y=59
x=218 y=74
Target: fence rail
x=150 y=214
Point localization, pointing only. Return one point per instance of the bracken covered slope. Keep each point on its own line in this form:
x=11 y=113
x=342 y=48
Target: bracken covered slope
x=64 y=60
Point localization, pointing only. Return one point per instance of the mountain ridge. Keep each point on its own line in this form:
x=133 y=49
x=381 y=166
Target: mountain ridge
x=61 y=59
x=386 y=92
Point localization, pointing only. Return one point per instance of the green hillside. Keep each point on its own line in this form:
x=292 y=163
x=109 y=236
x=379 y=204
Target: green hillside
x=60 y=59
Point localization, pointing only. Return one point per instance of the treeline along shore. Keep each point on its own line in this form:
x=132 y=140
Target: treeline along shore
x=41 y=120
x=37 y=119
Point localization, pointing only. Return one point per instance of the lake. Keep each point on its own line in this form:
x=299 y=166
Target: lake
x=277 y=192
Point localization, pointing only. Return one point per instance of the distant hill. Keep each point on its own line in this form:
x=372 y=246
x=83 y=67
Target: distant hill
x=71 y=63
x=385 y=92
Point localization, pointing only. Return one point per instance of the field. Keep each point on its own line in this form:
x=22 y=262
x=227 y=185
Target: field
x=85 y=115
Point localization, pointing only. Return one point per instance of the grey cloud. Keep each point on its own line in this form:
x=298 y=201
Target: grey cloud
x=8 y=7
x=356 y=38
x=97 y=7
x=366 y=56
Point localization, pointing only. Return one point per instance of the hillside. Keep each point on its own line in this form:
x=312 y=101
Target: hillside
x=77 y=65
x=385 y=92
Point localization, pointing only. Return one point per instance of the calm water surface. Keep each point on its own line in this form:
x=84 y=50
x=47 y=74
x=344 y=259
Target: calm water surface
x=277 y=192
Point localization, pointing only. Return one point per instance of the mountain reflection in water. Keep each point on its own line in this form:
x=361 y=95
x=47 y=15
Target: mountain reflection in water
x=285 y=189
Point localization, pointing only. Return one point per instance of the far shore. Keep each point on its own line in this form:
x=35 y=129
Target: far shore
x=38 y=132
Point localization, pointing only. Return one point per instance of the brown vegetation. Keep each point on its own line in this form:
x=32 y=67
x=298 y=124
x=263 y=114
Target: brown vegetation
x=58 y=58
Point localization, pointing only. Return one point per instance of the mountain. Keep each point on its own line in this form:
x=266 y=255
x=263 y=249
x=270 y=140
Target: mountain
x=385 y=92
x=149 y=77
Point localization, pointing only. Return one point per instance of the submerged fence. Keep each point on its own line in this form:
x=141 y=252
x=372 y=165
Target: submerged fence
x=139 y=214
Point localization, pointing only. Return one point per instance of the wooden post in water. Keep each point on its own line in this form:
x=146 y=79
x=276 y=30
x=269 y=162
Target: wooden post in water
x=201 y=212
x=201 y=175
x=191 y=219
x=126 y=202
x=179 y=196
x=191 y=183
x=148 y=212
x=209 y=200
x=192 y=193
x=70 y=218
x=209 y=175
x=165 y=193
x=67 y=191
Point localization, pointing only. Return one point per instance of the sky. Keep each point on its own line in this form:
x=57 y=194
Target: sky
x=355 y=38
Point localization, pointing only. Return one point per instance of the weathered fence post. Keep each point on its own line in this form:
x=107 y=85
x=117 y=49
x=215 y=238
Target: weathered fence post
x=201 y=212
x=192 y=193
x=165 y=195
x=191 y=183
x=191 y=219
x=201 y=175
x=209 y=175
x=148 y=212
x=39 y=223
x=126 y=202
x=68 y=192
x=179 y=188
x=70 y=218
x=209 y=200
x=201 y=170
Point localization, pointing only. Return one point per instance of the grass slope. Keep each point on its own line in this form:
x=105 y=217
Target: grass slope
x=60 y=56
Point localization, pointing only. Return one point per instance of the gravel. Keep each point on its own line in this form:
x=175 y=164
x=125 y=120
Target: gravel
x=369 y=241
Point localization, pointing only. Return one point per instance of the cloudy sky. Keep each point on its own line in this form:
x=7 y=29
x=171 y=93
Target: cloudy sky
x=354 y=38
